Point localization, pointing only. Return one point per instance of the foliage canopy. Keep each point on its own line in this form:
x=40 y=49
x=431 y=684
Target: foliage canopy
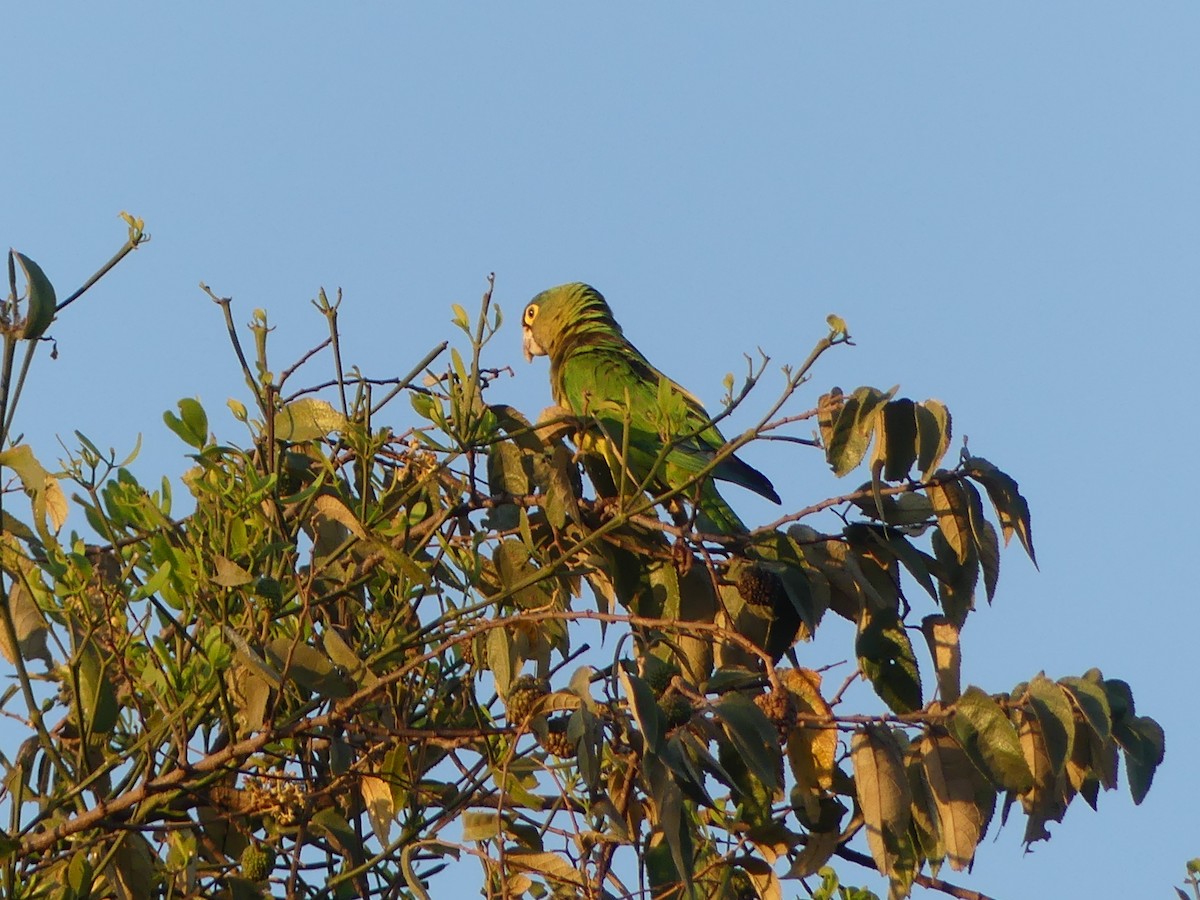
x=365 y=651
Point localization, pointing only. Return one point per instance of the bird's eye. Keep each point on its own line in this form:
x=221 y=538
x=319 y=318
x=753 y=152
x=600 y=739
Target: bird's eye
x=531 y=312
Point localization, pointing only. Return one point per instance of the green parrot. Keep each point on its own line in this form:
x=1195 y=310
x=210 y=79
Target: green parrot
x=597 y=374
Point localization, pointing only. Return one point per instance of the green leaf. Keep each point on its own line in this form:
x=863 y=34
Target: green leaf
x=191 y=426
x=956 y=582
x=309 y=668
x=1053 y=709
x=332 y=824
x=1143 y=742
x=852 y=429
x=40 y=299
x=989 y=738
x=97 y=697
x=1011 y=507
x=1091 y=701
x=899 y=439
x=755 y=738
x=307 y=419
x=514 y=564
x=886 y=658
x=898 y=546
x=644 y=709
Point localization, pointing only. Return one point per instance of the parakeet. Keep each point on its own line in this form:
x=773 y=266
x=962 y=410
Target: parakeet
x=598 y=375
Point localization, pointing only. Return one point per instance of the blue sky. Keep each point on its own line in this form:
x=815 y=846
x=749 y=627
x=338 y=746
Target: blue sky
x=1003 y=201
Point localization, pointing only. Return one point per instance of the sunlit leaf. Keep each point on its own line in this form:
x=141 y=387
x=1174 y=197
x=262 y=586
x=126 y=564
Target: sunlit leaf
x=307 y=419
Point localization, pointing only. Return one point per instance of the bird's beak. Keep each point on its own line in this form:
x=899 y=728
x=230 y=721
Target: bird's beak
x=530 y=345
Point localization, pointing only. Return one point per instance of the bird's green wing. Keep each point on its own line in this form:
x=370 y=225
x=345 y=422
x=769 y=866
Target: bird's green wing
x=639 y=411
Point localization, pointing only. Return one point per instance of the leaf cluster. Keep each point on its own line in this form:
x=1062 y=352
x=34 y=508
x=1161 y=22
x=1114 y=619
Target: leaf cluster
x=363 y=651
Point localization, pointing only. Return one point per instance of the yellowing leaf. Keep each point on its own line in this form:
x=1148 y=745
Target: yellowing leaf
x=377 y=798
x=307 y=419
x=883 y=794
x=950 y=505
x=30 y=626
x=229 y=574
x=811 y=749
x=48 y=500
x=55 y=503
x=933 y=435
x=331 y=507
x=952 y=781
x=942 y=637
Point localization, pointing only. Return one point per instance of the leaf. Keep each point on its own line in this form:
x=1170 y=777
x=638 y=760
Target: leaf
x=812 y=750
x=953 y=784
x=307 y=419
x=852 y=428
x=896 y=545
x=752 y=733
x=1057 y=718
x=552 y=866
x=1091 y=701
x=886 y=658
x=1043 y=801
x=883 y=794
x=989 y=738
x=644 y=709
x=40 y=300
x=506 y=469
x=97 y=697
x=942 y=637
x=515 y=566
x=933 y=435
x=926 y=821
x=309 y=668
x=951 y=506
x=1011 y=508
x=229 y=574
x=1143 y=741
x=501 y=658
x=30 y=625
x=377 y=798
x=191 y=425
x=334 y=509
x=899 y=439
x=956 y=582
x=330 y=822
x=48 y=500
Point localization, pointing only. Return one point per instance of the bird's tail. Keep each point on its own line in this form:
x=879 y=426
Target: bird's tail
x=714 y=515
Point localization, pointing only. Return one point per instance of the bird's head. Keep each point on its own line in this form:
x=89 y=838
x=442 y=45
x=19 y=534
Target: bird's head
x=556 y=317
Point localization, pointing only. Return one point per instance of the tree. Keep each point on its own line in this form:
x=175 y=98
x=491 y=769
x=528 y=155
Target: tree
x=360 y=655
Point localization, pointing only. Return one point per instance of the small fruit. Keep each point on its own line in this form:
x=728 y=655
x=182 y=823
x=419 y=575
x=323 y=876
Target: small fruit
x=677 y=709
x=524 y=695
x=256 y=862
x=555 y=740
x=658 y=673
x=758 y=586
x=779 y=707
